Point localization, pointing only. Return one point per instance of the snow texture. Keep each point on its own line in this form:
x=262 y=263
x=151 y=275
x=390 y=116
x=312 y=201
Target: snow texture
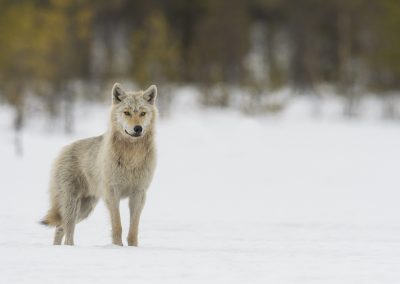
x=235 y=199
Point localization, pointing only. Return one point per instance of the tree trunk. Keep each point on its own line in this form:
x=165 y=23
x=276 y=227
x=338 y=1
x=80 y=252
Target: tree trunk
x=344 y=62
x=18 y=125
x=68 y=113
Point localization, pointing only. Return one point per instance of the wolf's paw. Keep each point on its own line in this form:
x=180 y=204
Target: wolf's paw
x=118 y=243
x=132 y=241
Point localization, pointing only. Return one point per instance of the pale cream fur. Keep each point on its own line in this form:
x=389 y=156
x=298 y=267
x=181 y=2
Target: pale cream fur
x=112 y=166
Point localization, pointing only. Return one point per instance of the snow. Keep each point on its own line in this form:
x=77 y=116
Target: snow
x=235 y=199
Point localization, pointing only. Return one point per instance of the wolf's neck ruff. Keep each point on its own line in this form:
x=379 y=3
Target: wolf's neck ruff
x=127 y=150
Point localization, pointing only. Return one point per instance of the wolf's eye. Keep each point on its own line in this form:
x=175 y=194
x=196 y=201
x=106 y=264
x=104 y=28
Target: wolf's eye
x=127 y=113
x=142 y=114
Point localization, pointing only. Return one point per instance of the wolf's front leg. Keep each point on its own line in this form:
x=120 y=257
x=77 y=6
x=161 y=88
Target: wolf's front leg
x=136 y=203
x=112 y=202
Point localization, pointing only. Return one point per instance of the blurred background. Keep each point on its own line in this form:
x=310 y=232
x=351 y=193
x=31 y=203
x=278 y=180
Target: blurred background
x=253 y=55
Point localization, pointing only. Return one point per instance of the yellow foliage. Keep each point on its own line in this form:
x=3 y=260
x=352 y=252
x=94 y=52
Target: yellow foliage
x=155 y=51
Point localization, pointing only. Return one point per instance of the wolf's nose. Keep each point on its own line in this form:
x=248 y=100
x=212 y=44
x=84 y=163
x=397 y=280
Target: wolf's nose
x=138 y=129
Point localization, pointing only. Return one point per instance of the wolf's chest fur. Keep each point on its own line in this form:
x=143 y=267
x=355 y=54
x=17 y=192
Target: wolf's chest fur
x=131 y=166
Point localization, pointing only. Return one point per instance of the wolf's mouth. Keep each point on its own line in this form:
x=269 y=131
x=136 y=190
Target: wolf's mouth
x=134 y=134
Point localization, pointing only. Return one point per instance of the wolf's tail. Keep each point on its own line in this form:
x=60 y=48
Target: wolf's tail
x=52 y=218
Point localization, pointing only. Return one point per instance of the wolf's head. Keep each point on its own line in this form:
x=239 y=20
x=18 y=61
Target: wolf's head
x=133 y=112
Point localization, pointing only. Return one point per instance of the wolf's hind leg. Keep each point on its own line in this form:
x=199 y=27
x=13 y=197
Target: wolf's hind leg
x=58 y=236
x=87 y=205
x=71 y=210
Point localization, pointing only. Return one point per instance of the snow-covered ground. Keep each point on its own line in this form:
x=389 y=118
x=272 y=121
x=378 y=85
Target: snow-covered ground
x=235 y=199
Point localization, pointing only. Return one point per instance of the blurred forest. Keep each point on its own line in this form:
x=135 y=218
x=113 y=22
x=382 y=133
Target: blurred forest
x=58 y=50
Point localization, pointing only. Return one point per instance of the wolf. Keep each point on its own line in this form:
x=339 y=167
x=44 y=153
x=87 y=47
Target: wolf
x=118 y=164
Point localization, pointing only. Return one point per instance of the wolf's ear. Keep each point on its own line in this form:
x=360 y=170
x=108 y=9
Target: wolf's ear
x=150 y=94
x=117 y=93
